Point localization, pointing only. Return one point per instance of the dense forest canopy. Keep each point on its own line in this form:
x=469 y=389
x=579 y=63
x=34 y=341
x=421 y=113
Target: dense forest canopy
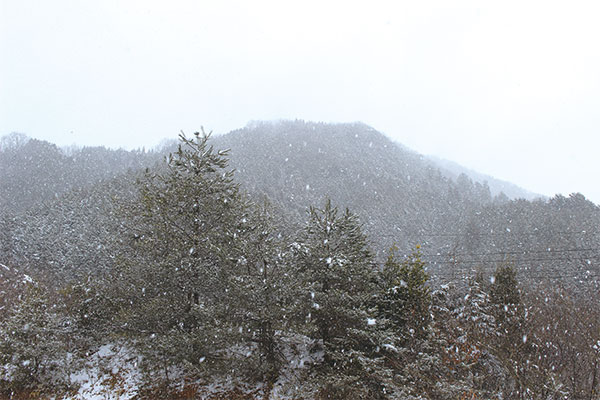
x=289 y=260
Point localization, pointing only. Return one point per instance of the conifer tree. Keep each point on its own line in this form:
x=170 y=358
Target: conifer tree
x=472 y=350
x=338 y=283
x=512 y=345
x=261 y=293
x=413 y=346
x=174 y=277
x=405 y=299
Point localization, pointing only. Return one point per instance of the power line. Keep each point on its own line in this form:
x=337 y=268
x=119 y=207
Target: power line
x=499 y=233
x=594 y=275
x=530 y=273
x=515 y=252
x=445 y=273
x=594 y=278
x=578 y=254
x=515 y=261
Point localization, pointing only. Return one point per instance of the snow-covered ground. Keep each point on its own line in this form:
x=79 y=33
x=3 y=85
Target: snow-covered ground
x=111 y=373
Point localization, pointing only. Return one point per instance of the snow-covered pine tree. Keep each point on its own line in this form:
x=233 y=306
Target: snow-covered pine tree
x=405 y=298
x=261 y=293
x=416 y=343
x=172 y=281
x=338 y=282
x=469 y=355
x=496 y=342
x=512 y=345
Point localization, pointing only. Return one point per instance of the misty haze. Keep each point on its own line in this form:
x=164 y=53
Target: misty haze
x=398 y=201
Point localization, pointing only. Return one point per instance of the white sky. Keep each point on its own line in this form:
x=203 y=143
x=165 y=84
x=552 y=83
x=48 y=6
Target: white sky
x=509 y=88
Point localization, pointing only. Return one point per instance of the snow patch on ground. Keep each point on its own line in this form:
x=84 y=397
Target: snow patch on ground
x=300 y=352
x=112 y=373
x=109 y=374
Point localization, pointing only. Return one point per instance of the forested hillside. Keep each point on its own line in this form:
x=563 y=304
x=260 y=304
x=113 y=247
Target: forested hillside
x=35 y=172
x=403 y=200
x=497 y=187
x=400 y=198
x=288 y=260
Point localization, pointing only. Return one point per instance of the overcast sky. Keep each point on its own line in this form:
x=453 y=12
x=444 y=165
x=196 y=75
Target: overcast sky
x=508 y=88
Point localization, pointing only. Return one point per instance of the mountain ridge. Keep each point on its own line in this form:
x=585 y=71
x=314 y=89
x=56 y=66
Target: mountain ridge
x=497 y=186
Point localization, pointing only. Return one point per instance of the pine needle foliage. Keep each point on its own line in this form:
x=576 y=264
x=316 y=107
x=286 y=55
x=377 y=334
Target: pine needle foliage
x=174 y=276
x=338 y=281
x=405 y=298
